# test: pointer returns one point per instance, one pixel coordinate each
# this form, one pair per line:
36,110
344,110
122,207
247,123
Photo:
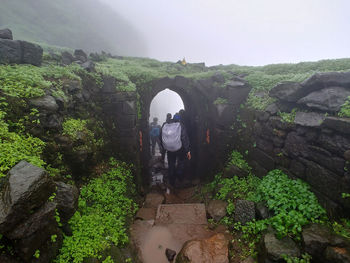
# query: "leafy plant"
288,117
219,101
105,207
345,109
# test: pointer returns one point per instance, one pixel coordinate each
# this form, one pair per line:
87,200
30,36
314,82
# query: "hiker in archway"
175,141
154,135
168,120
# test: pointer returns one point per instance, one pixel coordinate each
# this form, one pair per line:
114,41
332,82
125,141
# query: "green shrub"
237,159
15,147
288,117
105,207
345,109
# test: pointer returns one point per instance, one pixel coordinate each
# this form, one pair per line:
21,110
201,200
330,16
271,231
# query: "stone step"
192,214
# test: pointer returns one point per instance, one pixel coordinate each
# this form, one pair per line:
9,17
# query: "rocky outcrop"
272,249
27,216
211,250
6,34
324,245
67,200
17,51
25,189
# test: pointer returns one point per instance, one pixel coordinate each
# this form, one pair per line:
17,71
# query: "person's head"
176,117
155,119
168,117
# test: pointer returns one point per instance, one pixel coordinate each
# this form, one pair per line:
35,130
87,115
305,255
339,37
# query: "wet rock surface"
211,250
67,200
217,209
273,249
26,188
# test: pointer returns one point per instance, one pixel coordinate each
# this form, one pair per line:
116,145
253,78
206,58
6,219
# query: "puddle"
158,239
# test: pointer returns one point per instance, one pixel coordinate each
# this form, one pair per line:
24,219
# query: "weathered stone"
233,170
347,155
218,77
80,55
295,145
325,181
262,115
297,168
272,109
8,259
129,107
309,119
146,213
277,123
170,254
244,211
278,142
189,214
26,188
337,144
315,239
263,159
273,249
265,145
39,220
249,260
89,66
337,255
67,200
287,91
153,200
217,209
6,34
324,80
181,82
212,250
46,103
67,58
327,99
31,53
339,124
261,210
109,84
325,158
10,51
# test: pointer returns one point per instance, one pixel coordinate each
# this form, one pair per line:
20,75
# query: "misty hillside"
86,24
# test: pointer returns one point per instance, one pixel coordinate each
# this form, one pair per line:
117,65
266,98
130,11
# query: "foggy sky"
166,101
244,32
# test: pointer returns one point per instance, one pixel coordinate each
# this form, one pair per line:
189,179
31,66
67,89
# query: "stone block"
339,124
263,159
244,211
10,52
31,53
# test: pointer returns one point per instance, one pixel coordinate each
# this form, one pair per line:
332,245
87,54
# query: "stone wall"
314,146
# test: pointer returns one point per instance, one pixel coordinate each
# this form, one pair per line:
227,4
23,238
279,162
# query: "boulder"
31,53
46,103
89,66
67,200
309,119
286,91
324,80
6,34
272,249
80,55
339,124
211,250
67,58
36,222
25,188
217,209
10,51
316,238
328,99
244,211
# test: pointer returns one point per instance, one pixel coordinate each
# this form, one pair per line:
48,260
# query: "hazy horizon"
251,32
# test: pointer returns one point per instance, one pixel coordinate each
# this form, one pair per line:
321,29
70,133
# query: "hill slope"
86,24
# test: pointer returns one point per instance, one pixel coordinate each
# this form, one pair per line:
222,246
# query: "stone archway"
196,119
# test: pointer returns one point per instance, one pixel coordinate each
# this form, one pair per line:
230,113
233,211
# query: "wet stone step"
181,214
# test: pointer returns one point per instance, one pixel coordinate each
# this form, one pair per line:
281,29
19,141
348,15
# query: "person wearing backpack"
154,134
176,142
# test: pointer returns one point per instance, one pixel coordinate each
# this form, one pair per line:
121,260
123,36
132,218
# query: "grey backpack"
171,136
